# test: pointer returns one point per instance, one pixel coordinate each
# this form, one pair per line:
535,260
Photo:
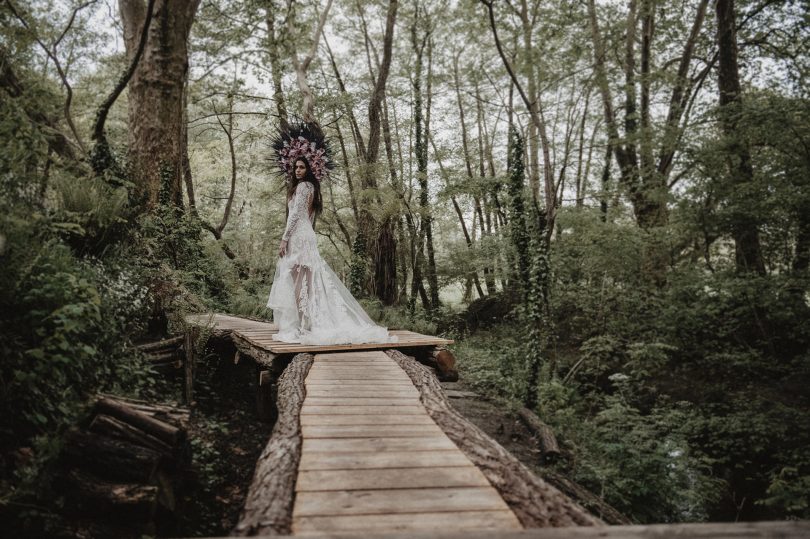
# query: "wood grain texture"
324,480
397,501
371,454
367,419
363,525
535,502
350,445
269,502
364,392
259,334
360,410
374,382
395,430
363,401
390,459
374,526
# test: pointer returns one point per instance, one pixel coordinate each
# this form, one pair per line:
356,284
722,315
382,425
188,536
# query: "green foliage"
640,463
357,276
90,214
186,275
62,321
517,214
24,146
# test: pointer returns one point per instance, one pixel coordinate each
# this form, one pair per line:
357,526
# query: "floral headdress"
306,140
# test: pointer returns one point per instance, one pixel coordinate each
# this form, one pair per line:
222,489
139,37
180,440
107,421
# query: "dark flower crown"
301,139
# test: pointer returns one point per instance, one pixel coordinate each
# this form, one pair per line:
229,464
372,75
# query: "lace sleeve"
299,208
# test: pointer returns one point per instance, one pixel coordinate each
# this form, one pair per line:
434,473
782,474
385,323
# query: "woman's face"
300,170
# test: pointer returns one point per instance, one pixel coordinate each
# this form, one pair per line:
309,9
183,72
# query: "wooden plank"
359,381
353,358
721,530
354,363
363,401
355,502
355,410
367,525
378,366
350,445
381,384
361,371
392,385
378,378
278,347
361,392
366,355
367,419
356,369
323,480
392,459
396,430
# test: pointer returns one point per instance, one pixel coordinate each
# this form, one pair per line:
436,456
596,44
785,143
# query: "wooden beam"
190,363
269,501
721,530
535,502
259,354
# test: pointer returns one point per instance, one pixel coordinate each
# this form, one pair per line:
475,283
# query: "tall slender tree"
748,252
376,240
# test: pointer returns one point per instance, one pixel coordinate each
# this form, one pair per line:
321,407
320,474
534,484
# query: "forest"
605,203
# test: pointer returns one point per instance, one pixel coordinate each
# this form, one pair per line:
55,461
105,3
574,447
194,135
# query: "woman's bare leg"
302,277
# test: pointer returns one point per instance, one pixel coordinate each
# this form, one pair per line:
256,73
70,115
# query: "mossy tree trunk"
156,103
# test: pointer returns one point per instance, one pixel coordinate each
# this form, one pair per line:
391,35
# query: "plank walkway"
260,334
374,461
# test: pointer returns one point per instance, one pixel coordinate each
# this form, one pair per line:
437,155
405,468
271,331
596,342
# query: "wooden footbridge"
365,443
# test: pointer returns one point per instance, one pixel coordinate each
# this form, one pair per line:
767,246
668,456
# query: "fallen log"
162,357
535,502
176,416
168,433
546,441
586,498
441,359
445,364
168,366
114,428
269,502
116,459
88,494
173,342
127,465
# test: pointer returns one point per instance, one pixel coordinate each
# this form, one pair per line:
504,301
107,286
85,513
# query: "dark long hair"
317,201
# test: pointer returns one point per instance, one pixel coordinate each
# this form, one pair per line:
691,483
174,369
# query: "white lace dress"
310,304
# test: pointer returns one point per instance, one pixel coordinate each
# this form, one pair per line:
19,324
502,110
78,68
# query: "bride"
310,304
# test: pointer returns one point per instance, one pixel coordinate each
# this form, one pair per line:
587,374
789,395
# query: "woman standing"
310,304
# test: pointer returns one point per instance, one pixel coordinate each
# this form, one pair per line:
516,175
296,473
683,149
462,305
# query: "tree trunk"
273,50
156,95
383,251
269,501
748,253
421,126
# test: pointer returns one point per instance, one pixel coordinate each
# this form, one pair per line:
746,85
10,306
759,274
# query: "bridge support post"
266,391
190,363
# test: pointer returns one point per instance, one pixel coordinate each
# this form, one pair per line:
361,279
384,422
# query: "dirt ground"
493,419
